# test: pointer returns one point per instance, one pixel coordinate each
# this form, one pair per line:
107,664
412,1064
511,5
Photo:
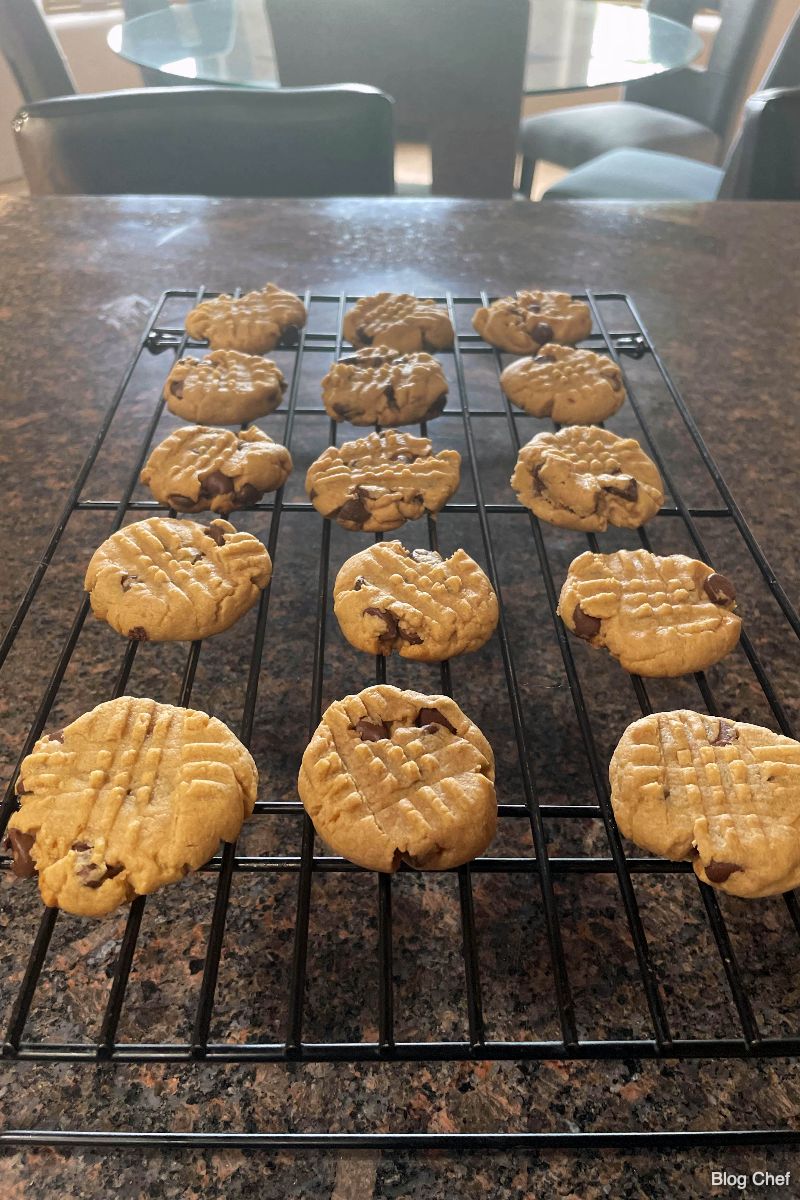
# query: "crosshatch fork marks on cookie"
629,342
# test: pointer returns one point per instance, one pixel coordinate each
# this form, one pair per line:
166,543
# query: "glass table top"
572,44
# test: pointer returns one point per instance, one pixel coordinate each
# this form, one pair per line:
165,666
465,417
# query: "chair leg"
527,172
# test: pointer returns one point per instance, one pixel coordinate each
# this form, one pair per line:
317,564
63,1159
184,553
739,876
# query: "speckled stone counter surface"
718,288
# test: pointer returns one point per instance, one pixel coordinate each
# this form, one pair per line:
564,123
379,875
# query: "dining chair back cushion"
766,162
211,142
33,55
713,94
452,67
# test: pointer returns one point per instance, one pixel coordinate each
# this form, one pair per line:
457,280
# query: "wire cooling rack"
625,340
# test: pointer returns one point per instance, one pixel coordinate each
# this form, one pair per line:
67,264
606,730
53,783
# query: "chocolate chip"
359,583
534,308
390,400
385,639
545,358
719,589
19,787
108,873
216,534
719,872
409,636
542,333
352,510
536,474
20,845
215,484
726,734
585,626
247,494
138,634
436,408
432,716
177,388
58,736
363,336
343,411
290,337
426,556
352,360
403,457
176,500
629,491
80,846
371,731
127,581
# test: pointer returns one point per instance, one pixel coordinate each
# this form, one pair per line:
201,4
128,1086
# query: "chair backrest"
32,53
765,164
452,67
765,127
210,141
712,94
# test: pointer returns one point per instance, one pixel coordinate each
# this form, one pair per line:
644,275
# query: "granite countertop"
713,282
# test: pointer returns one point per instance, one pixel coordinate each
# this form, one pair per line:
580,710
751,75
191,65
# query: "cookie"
414,602
391,777
381,386
574,387
724,794
131,796
583,477
253,323
521,324
224,388
164,580
658,616
198,468
379,481
399,321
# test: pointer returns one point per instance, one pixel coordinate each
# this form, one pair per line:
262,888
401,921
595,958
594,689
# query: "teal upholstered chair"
634,174
687,112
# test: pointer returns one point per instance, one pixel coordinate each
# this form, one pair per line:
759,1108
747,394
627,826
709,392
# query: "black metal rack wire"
632,343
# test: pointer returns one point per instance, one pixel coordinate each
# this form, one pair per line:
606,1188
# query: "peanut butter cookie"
399,321
380,481
131,796
414,602
721,793
521,324
658,616
199,467
392,777
574,387
381,386
164,580
224,388
253,323
583,477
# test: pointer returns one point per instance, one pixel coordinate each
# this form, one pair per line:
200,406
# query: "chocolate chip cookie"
414,602
392,777
521,324
131,796
381,386
722,793
199,467
379,481
658,616
399,321
164,580
224,388
574,387
254,323
583,477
